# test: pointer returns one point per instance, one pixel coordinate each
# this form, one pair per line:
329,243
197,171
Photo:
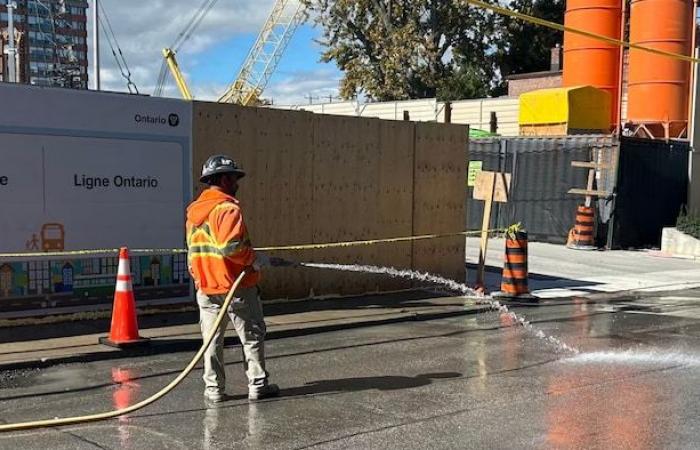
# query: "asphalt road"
466,382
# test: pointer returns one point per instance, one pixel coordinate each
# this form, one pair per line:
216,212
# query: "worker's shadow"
384,383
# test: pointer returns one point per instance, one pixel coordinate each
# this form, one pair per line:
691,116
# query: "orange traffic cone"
124,331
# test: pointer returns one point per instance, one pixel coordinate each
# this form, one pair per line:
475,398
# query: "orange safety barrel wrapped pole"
590,62
514,279
581,236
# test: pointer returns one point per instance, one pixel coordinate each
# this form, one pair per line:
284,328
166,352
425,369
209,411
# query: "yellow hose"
158,395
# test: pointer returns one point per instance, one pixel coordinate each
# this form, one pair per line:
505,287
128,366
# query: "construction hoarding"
82,171
641,186
316,178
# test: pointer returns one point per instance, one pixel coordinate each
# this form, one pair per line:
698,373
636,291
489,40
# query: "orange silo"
589,61
659,85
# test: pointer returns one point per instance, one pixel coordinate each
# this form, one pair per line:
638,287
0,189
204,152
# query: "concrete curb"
181,344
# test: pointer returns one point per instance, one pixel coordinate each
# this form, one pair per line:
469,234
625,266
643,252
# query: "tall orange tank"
659,85
589,61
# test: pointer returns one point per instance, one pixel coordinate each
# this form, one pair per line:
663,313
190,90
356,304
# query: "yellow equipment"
169,56
564,111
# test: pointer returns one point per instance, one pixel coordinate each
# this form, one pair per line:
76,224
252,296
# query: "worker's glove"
261,260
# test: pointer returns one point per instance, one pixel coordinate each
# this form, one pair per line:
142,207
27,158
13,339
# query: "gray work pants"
247,316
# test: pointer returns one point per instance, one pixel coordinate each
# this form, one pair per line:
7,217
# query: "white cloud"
295,89
143,28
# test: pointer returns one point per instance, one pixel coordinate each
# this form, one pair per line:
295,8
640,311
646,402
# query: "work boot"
214,396
259,393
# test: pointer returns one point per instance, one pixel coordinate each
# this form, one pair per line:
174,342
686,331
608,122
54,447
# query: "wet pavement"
465,382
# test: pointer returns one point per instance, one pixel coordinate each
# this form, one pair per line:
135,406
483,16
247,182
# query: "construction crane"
262,60
264,56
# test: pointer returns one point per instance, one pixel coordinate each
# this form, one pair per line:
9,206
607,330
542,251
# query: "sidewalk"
556,271
50,344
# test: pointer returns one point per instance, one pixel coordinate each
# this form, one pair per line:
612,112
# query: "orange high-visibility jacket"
218,244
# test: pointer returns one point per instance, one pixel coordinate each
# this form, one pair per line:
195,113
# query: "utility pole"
95,45
11,50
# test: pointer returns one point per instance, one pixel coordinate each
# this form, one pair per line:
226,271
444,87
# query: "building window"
91,266
109,265
180,268
135,263
39,278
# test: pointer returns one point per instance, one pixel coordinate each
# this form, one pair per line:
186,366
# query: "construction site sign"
99,171
492,186
473,170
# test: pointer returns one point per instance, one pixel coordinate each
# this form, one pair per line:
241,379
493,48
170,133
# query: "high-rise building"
51,42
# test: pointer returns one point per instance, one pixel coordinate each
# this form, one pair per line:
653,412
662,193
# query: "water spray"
452,285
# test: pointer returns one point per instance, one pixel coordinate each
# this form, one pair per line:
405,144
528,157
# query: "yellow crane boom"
169,56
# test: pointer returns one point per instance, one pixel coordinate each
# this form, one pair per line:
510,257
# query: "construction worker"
219,249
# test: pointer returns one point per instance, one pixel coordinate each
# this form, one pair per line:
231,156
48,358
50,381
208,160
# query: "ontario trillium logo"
173,120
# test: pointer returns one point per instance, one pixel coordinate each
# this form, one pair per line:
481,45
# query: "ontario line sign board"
83,170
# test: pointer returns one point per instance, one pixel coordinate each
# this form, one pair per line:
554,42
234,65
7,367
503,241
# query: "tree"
525,47
401,49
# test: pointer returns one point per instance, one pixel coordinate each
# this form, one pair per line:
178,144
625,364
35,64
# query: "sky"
210,59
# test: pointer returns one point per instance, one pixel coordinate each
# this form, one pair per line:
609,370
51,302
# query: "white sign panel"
98,171
89,193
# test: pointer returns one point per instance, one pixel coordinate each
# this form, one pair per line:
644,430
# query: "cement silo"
659,85
590,61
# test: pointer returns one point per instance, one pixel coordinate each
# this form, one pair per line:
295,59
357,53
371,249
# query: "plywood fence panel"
317,178
253,137
229,130
439,198
283,195
396,143
345,190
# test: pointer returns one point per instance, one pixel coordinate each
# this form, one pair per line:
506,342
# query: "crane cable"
113,42
153,398
182,37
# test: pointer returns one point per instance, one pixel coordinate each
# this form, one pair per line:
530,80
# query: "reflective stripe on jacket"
218,244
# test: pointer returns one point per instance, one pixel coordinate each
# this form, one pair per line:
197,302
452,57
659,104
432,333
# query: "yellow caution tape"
372,241
160,251
559,27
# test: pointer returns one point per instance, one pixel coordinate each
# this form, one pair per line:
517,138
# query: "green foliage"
512,231
404,49
465,82
526,47
689,224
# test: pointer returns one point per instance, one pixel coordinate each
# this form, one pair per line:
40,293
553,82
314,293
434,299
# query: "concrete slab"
676,243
